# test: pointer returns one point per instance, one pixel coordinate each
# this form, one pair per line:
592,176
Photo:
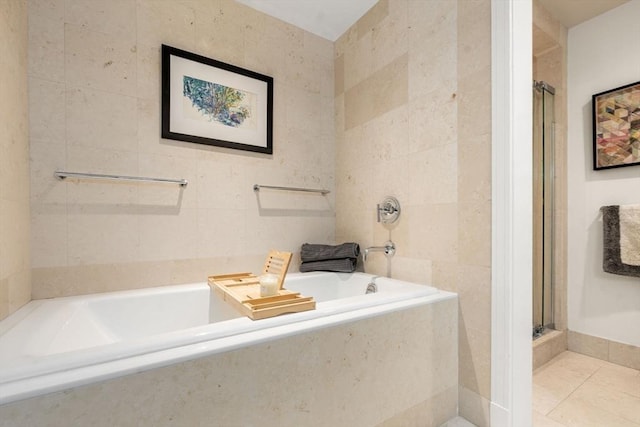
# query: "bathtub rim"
89,356
48,382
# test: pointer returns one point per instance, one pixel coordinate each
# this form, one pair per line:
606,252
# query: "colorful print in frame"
616,127
210,102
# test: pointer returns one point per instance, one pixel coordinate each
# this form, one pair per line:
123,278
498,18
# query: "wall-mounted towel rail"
63,175
257,187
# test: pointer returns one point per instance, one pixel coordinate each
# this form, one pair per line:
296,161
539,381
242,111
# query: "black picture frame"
616,127
206,101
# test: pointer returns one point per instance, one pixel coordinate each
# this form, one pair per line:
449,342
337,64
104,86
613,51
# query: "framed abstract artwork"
616,127
210,102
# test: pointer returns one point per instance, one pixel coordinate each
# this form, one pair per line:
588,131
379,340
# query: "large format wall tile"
15,280
95,103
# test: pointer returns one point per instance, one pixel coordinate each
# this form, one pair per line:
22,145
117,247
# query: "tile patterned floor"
577,390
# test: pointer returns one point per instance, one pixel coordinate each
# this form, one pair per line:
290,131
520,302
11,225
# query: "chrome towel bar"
63,175
257,187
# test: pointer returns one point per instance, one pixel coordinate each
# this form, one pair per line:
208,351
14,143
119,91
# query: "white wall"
603,54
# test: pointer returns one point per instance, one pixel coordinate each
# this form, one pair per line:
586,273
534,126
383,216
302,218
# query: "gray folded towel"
612,261
344,265
314,252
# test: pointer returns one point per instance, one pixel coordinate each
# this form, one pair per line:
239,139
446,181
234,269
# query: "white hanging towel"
630,234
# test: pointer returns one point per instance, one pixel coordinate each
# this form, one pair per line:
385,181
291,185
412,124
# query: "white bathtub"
55,344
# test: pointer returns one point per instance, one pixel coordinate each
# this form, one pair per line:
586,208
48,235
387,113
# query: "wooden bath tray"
242,291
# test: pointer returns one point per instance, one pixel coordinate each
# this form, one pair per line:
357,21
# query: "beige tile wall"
94,76
413,120
15,280
601,348
314,379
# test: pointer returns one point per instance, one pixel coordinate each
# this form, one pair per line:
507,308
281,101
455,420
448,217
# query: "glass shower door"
543,205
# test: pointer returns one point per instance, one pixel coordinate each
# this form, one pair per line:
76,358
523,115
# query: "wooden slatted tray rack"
242,291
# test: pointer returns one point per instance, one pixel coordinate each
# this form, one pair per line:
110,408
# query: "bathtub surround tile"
92,120
338,78
473,407
338,382
434,120
474,106
445,275
15,162
116,17
115,227
221,235
165,22
47,110
434,232
373,18
111,57
14,224
52,282
432,47
46,43
446,204
428,20
431,412
48,248
100,196
261,51
412,270
390,38
474,289
228,41
434,174
163,198
474,177
474,23
148,71
474,233
99,61
457,422
15,281
15,291
357,59
382,91
47,156
4,298
176,225
475,358
216,183
53,9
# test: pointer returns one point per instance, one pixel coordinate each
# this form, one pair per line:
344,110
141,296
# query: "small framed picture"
616,127
209,102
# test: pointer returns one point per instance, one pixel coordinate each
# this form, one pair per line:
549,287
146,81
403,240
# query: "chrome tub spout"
389,250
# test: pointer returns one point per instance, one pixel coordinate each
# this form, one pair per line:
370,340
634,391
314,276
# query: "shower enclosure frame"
544,188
